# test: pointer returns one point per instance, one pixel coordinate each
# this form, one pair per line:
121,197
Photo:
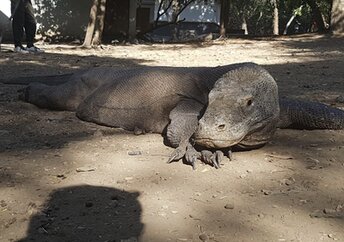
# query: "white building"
70,18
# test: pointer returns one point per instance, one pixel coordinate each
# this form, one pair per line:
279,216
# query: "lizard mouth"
216,143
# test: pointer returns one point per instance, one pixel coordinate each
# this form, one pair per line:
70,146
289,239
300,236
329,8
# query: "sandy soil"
62,179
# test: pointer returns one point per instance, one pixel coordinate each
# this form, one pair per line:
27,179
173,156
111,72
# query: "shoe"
20,49
34,49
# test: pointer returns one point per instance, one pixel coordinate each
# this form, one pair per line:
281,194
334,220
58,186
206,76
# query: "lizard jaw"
216,143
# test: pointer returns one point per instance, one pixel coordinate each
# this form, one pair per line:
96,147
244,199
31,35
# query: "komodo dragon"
203,111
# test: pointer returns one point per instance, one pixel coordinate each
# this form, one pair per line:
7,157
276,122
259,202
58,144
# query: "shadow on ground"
87,213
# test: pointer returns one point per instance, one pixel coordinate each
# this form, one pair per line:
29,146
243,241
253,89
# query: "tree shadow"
315,43
87,213
55,63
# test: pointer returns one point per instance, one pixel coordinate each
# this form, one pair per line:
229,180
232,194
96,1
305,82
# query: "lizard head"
242,103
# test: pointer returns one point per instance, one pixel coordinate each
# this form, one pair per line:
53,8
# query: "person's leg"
29,24
18,22
30,28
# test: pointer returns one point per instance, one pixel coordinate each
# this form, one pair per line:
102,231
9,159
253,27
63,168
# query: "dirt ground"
62,179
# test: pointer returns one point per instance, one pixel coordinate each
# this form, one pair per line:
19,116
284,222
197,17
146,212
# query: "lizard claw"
191,156
219,157
229,154
176,155
212,158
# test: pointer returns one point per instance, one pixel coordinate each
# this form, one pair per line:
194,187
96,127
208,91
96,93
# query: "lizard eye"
249,102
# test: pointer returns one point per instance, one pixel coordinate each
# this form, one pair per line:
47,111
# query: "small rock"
134,152
85,169
191,216
229,206
266,192
61,176
203,237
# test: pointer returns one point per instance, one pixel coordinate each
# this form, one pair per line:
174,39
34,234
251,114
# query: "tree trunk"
275,20
224,17
175,10
132,19
97,38
337,17
91,24
317,15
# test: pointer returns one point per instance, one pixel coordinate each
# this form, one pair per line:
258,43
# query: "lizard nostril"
221,127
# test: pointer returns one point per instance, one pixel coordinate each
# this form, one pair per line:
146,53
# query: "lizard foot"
211,158
177,154
189,153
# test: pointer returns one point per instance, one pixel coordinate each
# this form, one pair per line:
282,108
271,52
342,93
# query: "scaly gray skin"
214,108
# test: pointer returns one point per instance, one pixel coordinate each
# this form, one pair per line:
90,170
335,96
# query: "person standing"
24,20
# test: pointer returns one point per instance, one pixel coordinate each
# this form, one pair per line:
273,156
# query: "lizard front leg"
184,123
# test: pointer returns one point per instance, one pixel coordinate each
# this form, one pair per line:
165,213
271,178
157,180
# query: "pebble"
266,192
229,206
203,237
61,176
85,169
134,152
